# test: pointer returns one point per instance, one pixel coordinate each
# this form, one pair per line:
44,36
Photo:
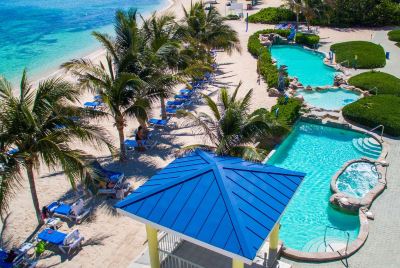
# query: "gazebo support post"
273,245
152,242
237,263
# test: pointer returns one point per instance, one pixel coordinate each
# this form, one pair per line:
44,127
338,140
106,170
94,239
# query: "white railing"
167,245
375,128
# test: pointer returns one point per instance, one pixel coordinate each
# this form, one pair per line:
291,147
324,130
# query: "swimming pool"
305,64
358,179
320,151
329,99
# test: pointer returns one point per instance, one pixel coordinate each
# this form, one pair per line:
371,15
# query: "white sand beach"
114,240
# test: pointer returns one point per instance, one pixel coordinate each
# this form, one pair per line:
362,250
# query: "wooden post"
237,263
152,242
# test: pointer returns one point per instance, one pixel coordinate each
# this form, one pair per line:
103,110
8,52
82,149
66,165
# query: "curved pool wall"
305,64
329,99
320,151
358,179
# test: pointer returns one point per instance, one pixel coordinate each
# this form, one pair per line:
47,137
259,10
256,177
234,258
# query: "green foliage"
385,83
40,247
369,55
232,17
376,110
289,110
267,70
394,35
307,39
272,15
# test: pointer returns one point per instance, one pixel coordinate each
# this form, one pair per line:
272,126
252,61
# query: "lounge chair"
75,212
175,103
113,181
181,97
93,105
19,259
131,144
161,123
186,92
65,242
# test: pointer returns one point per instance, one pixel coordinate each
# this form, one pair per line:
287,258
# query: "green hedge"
369,55
376,110
394,35
310,40
272,15
385,83
268,71
288,112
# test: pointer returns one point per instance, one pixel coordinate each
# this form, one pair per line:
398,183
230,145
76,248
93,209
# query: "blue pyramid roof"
223,203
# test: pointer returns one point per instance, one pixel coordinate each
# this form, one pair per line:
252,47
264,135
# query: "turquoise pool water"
41,34
358,179
305,64
319,151
331,99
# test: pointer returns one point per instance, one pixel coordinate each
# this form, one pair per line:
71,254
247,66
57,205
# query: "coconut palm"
231,129
123,94
37,128
208,30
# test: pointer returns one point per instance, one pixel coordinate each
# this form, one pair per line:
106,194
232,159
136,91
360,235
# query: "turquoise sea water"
305,64
40,35
319,151
331,99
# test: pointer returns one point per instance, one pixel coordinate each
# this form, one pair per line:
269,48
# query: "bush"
232,17
369,55
385,83
310,40
272,15
394,35
289,110
376,110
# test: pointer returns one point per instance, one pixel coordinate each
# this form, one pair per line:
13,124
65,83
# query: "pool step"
368,146
318,245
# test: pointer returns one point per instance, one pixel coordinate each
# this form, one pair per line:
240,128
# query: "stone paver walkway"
393,64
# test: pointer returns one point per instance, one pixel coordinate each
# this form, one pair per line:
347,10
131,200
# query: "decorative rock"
369,215
299,97
308,88
273,92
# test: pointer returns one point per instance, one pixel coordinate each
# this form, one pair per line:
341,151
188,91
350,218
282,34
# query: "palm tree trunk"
32,186
163,109
120,127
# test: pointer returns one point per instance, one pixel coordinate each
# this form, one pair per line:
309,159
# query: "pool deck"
382,246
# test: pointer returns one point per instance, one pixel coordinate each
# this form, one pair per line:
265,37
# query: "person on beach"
141,136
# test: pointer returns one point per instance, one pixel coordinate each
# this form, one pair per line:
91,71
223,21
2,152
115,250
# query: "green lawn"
369,55
385,83
376,110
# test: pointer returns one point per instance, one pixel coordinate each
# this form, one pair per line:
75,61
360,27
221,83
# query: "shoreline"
95,55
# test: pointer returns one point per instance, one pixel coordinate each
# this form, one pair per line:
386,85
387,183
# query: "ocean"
40,35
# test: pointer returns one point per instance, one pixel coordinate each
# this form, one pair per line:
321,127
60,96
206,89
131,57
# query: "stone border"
353,247
354,203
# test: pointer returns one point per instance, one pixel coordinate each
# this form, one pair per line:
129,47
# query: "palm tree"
37,127
123,94
231,129
208,30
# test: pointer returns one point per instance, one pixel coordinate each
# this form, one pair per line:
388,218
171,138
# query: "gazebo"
221,203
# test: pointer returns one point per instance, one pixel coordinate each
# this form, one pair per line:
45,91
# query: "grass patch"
376,110
369,55
384,82
272,15
394,35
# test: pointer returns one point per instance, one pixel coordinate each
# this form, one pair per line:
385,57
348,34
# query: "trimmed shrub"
272,15
376,110
369,55
310,40
385,83
289,110
232,17
394,35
